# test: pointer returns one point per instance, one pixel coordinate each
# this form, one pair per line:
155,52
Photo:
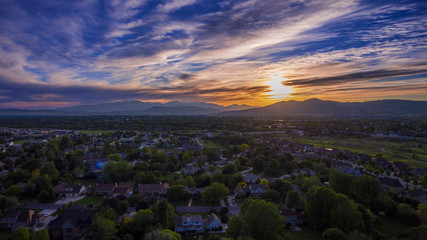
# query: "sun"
278,90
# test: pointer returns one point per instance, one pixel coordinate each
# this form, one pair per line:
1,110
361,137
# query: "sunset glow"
66,53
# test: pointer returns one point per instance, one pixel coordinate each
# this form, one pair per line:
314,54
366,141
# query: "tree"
333,234
272,196
244,147
342,183
21,234
262,220
215,192
14,190
40,235
164,234
101,228
422,213
258,165
176,193
164,213
273,169
115,157
329,209
308,182
139,223
50,170
235,226
45,196
417,233
142,204
366,190
293,199
8,203
229,169
407,214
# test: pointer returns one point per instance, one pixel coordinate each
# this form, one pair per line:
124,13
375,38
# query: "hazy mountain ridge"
130,108
320,108
307,108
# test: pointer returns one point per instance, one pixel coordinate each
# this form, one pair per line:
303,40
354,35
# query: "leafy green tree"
229,169
366,190
293,199
273,169
21,234
342,183
139,223
40,235
50,170
272,196
407,214
333,234
422,213
164,213
115,157
417,233
263,220
215,192
258,165
235,226
176,193
101,228
329,209
164,234
45,196
308,182
14,190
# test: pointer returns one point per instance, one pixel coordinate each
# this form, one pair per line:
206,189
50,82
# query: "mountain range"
307,108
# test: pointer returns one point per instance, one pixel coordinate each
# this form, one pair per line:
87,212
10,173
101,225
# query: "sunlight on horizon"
278,90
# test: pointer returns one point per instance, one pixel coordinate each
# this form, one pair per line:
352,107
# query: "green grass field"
391,149
5,234
95,200
391,226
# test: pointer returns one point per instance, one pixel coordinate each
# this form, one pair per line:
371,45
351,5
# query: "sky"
56,53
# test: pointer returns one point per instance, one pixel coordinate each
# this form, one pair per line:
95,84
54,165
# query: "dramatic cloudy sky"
61,53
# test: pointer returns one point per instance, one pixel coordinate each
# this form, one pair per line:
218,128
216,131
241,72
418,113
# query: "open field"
391,226
391,149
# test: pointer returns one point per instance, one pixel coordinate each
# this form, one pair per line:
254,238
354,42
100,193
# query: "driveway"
231,199
69,199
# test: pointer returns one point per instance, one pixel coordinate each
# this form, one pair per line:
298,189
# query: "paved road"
44,206
70,199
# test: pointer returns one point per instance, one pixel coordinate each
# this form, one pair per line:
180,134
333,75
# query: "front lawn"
305,233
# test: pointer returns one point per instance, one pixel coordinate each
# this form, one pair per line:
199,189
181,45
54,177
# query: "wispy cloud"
225,52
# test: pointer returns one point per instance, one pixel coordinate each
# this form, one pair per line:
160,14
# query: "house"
195,224
195,192
105,189
418,194
292,216
123,191
382,162
418,171
388,184
240,192
190,169
157,190
350,170
18,218
38,218
257,189
400,167
250,178
68,190
71,223
305,171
